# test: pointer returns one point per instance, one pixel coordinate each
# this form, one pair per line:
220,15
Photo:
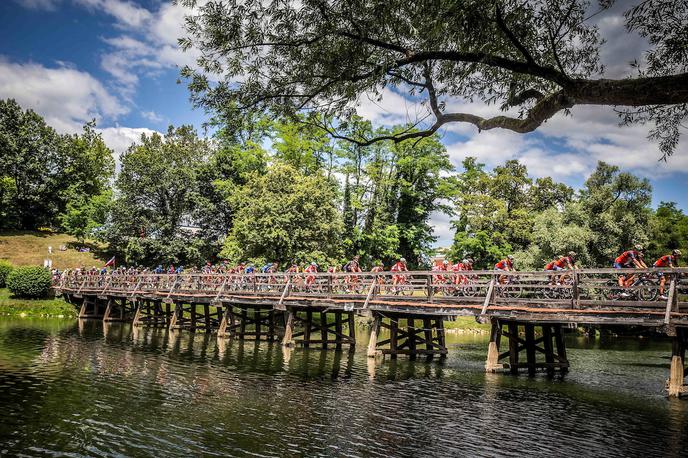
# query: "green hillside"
31,248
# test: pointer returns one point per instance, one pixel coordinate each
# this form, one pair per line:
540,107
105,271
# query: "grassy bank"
31,248
11,306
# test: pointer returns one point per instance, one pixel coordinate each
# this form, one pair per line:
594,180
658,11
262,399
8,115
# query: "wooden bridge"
528,311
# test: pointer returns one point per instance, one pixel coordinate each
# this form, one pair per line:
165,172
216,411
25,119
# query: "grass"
31,248
12,306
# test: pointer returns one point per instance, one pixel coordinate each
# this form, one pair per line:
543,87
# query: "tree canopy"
535,57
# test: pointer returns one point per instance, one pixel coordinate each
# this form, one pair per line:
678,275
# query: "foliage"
283,215
484,248
668,231
617,209
6,268
29,282
158,198
536,57
42,173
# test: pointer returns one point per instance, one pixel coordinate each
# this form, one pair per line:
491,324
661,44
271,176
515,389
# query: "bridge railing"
574,289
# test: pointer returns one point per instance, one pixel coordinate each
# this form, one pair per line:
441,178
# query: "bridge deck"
582,296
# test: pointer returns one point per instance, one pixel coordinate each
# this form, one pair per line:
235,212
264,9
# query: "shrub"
5,269
29,281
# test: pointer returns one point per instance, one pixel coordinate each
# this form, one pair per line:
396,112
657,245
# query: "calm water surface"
81,389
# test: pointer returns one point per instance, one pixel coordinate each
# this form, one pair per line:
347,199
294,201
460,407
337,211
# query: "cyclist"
505,265
443,267
669,260
399,266
628,260
562,263
311,269
465,265
352,266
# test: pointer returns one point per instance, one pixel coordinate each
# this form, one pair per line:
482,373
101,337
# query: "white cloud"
66,97
152,116
126,13
119,139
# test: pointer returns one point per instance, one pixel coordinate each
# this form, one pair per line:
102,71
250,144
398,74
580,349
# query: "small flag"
111,262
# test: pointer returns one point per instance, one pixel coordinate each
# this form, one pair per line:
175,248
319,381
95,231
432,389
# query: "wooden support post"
108,309
338,329
677,372
561,348
352,331
549,350
206,316
323,328
439,327
427,330
307,329
372,343
530,348
137,313
411,337
287,340
242,324
492,363
257,318
513,347
575,293
222,330
271,325
393,331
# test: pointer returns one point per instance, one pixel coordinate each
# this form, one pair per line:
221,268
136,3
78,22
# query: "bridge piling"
553,348
327,332
408,339
676,383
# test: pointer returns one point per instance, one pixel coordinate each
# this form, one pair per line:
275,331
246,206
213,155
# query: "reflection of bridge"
524,308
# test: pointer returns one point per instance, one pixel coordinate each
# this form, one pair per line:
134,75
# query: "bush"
5,269
29,281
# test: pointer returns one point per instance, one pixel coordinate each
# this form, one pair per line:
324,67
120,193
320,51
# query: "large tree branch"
512,38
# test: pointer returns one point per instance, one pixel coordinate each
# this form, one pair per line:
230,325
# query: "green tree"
538,57
284,215
153,216
41,172
617,208
30,178
484,248
668,231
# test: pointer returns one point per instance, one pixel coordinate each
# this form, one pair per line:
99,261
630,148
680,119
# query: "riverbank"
49,308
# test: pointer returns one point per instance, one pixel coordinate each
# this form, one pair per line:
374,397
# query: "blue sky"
117,61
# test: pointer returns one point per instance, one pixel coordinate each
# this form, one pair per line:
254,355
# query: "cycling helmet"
571,254
676,253
468,261
638,247
510,257
314,264
402,260
465,261
445,262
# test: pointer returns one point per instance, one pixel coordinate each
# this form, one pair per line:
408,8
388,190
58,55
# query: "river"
82,390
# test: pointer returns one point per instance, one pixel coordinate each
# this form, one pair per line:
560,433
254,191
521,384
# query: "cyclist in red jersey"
562,263
507,265
442,267
399,266
312,268
628,260
669,260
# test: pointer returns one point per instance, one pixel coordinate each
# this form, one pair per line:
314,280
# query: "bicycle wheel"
649,290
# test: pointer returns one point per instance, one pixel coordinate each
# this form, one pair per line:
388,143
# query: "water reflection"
91,388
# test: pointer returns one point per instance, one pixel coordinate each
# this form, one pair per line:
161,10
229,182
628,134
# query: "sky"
117,61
